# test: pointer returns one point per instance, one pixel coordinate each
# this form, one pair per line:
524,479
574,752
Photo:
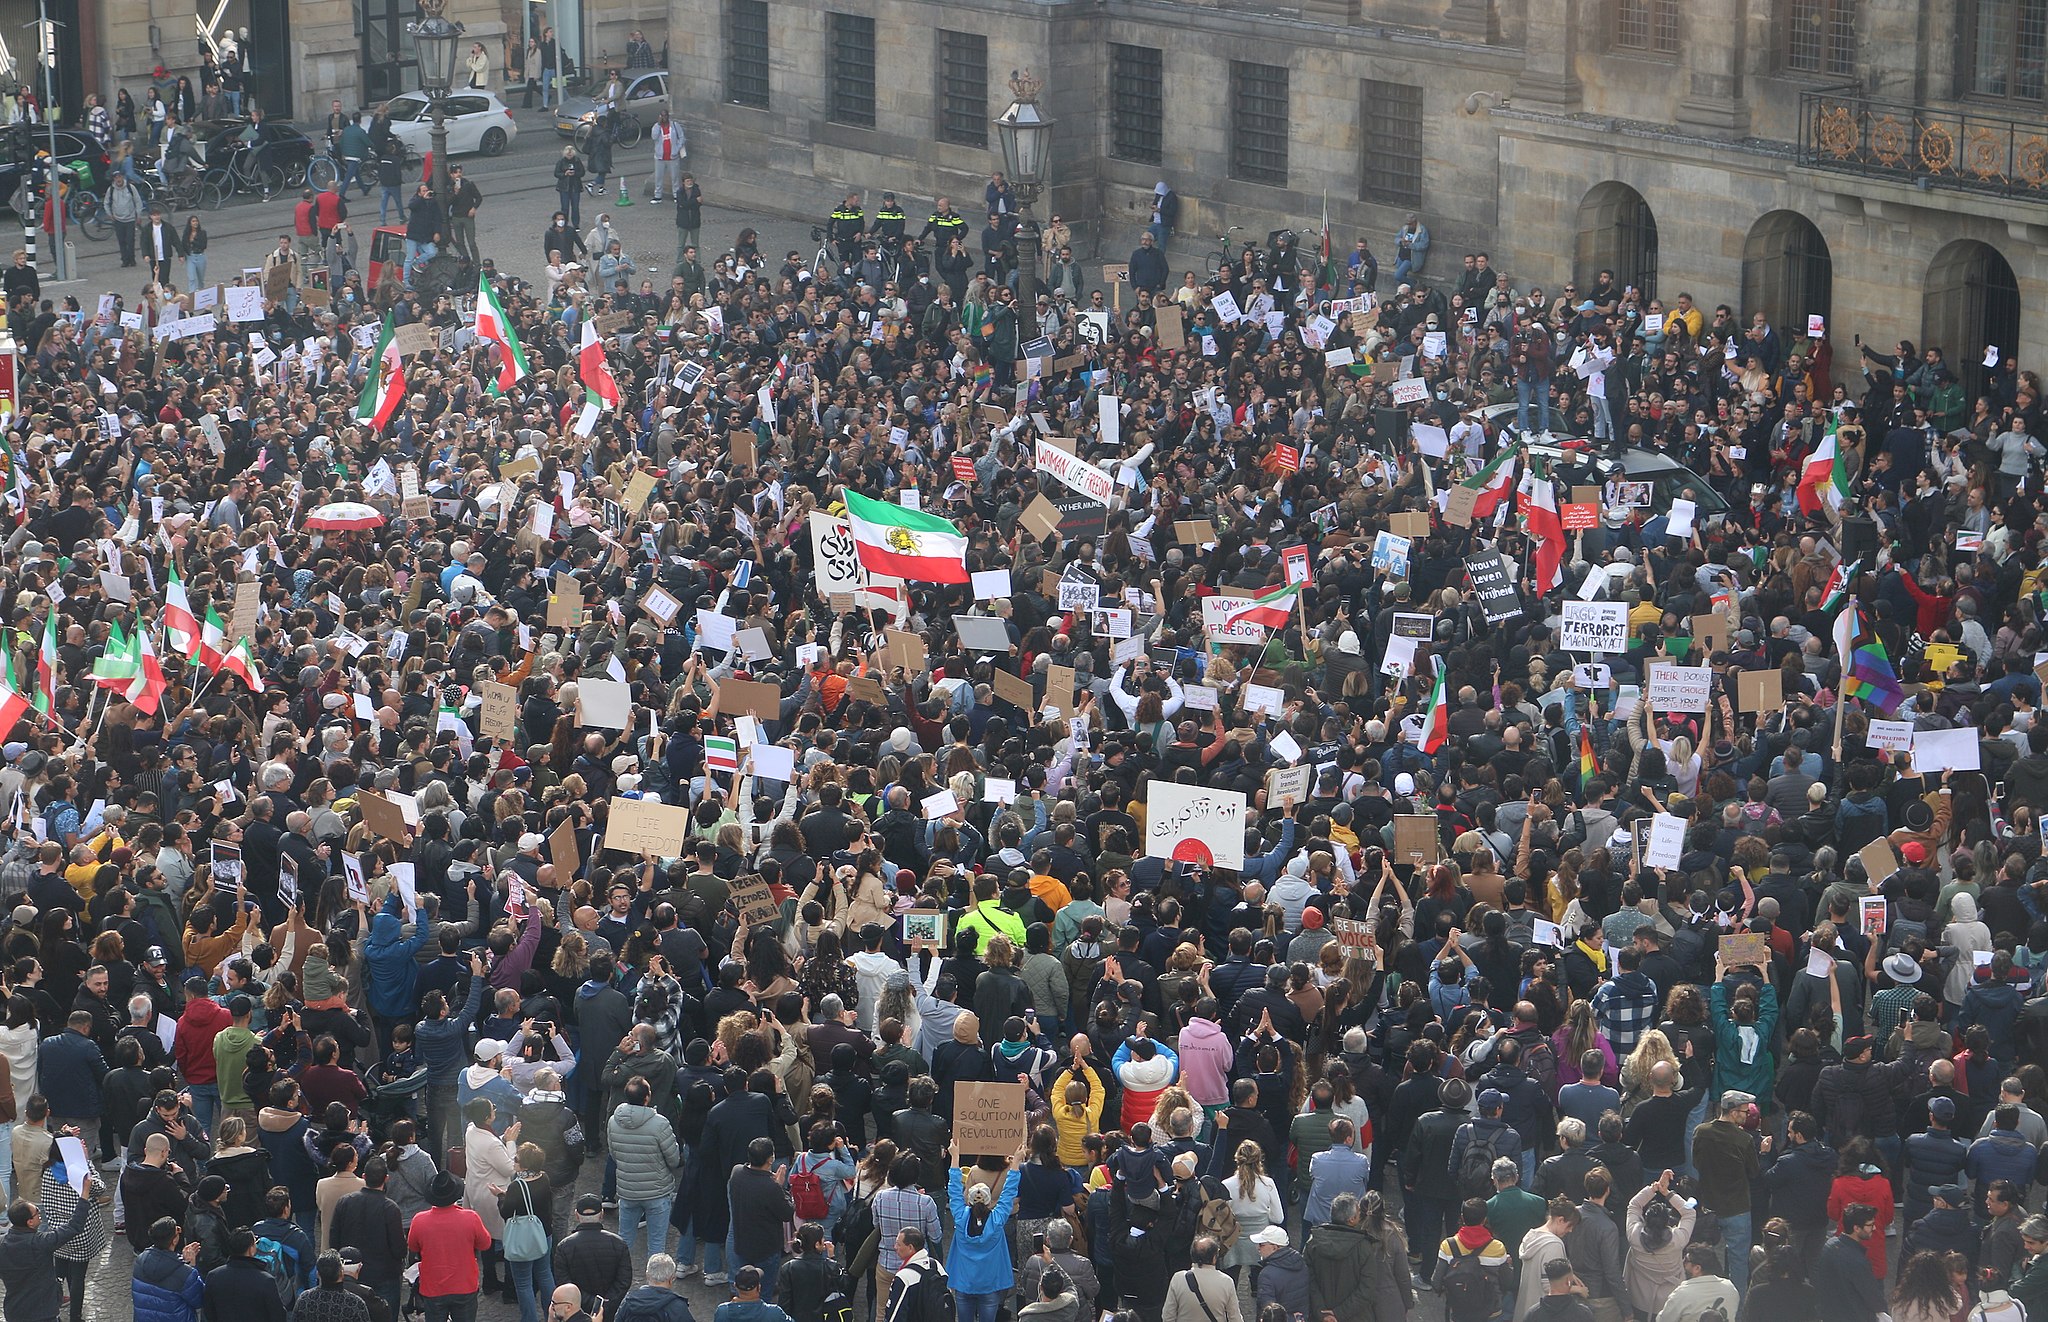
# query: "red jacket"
193,1046
303,215
448,1240
331,209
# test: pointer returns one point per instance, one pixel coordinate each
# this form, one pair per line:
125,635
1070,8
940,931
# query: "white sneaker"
717,1278
687,1269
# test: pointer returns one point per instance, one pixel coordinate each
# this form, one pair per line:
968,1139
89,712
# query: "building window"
1137,104
746,53
1820,37
962,93
2004,46
1393,144
1647,26
1258,123
853,70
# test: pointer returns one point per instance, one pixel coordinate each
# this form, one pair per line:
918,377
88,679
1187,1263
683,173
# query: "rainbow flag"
984,377
1867,671
1589,766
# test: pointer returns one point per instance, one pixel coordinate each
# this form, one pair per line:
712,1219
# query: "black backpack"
1471,1290
1475,1167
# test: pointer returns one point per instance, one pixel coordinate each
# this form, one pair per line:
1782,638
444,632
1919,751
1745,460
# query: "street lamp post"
1024,133
437,40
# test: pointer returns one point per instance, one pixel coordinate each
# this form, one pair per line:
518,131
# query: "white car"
477,122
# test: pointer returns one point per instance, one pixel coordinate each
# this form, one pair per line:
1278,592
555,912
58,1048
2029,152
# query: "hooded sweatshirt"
204,1020
388,956
1143,1080
231,1047
1206,1058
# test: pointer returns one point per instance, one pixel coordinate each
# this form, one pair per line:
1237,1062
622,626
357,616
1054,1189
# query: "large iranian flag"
906,543
596,373
181,626
1824,481
241,662
384,391
1546,529
494,327
1271,608
213,640
1493,483
1436,722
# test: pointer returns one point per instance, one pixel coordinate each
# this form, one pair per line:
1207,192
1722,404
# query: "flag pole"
1841,698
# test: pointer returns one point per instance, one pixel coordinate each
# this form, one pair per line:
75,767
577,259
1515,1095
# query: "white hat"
488,1050
530,840
1404,783
1273,1235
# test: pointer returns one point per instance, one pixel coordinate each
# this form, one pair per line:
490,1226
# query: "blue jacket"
2000,1155
980,1264
1333,1172
165,1289
1996,1006
394,973
444,1043
70,1070
1800,1179
1941,1230
298,1244
1932,1158
497,1090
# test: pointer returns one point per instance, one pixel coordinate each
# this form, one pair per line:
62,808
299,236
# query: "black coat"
595,1261
370,1220
240,1290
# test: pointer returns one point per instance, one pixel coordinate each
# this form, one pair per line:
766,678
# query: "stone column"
1713,38
1549,51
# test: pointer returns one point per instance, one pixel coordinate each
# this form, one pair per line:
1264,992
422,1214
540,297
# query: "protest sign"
1594,626
646,826
1188,823
1680,688
1495,584
755,899
988,1119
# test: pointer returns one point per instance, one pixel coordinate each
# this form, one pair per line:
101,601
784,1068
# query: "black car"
72,149
283,144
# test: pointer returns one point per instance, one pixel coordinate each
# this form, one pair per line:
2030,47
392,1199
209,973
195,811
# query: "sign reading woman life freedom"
1189,824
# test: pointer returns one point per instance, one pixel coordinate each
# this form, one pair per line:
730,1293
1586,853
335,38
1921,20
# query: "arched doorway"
1617,233
1786,272
1971,300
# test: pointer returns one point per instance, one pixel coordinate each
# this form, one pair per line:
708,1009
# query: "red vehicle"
387,255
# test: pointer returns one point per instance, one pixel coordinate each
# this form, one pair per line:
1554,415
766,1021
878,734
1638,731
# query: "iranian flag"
1539,509
240,662
721,754
1824,481
494,327
905,543
13,707
119,665
146,690
181,626
596,373
1272,608
1436,722
213,640
1492,483
46,666
384,391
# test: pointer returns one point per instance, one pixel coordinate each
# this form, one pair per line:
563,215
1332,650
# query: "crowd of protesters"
317,944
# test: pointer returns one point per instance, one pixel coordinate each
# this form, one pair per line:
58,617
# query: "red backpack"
806,1190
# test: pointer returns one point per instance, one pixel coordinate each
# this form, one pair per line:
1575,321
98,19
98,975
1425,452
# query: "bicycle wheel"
88,215
215,187
146,189
321,172
266,180
630,130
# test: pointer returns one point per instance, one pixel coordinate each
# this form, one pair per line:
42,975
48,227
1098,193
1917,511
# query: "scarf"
1594,953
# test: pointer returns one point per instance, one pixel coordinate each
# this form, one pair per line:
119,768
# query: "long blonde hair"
1650,1049
1585,1033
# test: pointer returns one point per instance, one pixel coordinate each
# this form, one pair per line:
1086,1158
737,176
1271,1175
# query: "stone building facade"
1879,163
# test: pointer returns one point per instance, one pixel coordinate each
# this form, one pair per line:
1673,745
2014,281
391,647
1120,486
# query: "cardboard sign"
755,900
1172,336
1459,506
1417,840
1746,948
562,851
1879,862
248,610
1040,518
383,816
565,604
1017,692
908,650
988,1119
741,697
500,719
1193,532
1409,523
862,688
1059,689
1191,824
1713,631
1759,690
646,826
1680,688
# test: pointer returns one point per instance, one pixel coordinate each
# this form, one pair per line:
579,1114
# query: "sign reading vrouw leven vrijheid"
1187,823
1495,584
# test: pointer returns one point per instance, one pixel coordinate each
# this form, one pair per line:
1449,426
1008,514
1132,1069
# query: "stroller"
396,1100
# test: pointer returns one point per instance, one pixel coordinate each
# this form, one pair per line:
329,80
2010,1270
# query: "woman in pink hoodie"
1206,1057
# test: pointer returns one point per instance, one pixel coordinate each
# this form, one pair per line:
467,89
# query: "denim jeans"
534,1281
195,277
387,201
978,1307
417,252
1735,1235
1524,391
1528,1168
450,1307
652,1212
1603,421
1693,1121
7,1166
205,1096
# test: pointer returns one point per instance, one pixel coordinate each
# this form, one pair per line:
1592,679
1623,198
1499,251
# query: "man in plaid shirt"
1627,1006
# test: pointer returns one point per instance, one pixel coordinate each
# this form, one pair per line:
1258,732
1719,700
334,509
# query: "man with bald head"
152,1187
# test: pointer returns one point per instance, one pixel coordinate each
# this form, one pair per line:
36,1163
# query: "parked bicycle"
248,170
1222,256
194,190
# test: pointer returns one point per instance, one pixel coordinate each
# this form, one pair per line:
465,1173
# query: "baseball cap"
1942,1108
1492,1099
1404,783
590,1204
154,955
1913,852
531,840
488,1050
350,1255
1273,1235
1953,1194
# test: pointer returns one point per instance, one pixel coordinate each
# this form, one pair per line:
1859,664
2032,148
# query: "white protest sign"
1891,736
1946,750
1594,626
1217,624
1078,475
1190,824
1680,688
1667,841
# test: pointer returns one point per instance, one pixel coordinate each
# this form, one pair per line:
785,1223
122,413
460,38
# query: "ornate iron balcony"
1843,131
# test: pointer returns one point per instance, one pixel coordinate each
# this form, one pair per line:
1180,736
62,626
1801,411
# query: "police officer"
944,224
848,223
889,223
